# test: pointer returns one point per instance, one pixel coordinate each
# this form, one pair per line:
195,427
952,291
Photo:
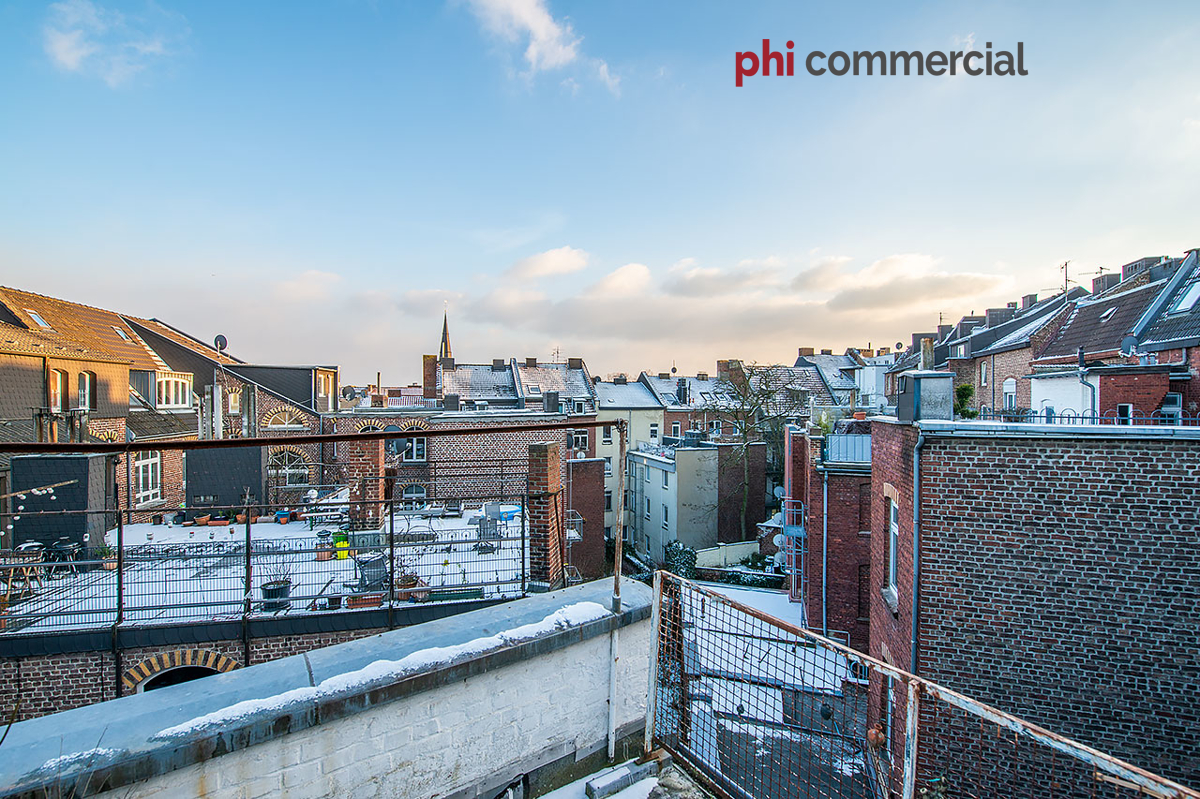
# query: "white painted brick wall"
436,742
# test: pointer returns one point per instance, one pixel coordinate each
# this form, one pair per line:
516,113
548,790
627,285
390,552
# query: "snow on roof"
479,381
560,377
611,396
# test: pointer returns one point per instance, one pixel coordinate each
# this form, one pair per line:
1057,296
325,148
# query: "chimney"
884,351
868,353
1028,301
620,380
595,380
926,354
450,402
447,364
574,363
664,375
429,372
531,362
943,331
916,339
681,390
806,351
1105,282
996,316
498,364
1012,305
827,352
550,402
701,375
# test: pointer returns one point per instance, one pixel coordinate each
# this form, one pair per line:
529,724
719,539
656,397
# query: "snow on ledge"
382,672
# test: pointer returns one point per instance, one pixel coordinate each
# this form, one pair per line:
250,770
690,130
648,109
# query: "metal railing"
1171,417
764,709
224,564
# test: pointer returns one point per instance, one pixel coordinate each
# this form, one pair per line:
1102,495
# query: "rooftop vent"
664,375
620,380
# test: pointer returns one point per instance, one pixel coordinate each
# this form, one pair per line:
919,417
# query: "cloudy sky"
318,180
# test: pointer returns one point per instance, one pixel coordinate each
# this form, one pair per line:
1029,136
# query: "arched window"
286,420
234,399
288,467
414,448
413,497
1010,393
58,390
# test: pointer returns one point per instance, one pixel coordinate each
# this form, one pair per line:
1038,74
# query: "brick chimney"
1028,301
926,354
806,351
429,376
996,316
545,517
827,352
1105,282
364,468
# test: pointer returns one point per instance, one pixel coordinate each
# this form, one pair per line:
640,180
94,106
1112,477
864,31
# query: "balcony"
847,448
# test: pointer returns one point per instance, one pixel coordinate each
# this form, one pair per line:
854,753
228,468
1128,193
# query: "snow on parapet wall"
388,671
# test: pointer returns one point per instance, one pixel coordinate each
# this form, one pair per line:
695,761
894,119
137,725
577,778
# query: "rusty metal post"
652,695
391,506
248,596
618,545
911,731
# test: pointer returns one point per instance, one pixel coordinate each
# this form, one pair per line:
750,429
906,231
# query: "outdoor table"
20,573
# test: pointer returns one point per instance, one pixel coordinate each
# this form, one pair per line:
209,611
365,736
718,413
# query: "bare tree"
756,404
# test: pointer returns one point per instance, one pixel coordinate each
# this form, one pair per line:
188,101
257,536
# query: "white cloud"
560,261
551,44
83,37
307,287
964,42
629,280
611,81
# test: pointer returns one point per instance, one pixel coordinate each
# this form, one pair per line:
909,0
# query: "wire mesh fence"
764,709
1121,415
226,563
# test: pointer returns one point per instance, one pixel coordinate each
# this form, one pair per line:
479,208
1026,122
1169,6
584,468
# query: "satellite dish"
779,492
899,345
673,370
349,394
221,343
778,540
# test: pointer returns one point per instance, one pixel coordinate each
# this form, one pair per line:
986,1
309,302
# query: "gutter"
916,558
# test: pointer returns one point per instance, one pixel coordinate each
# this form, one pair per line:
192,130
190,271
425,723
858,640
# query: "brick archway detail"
164,661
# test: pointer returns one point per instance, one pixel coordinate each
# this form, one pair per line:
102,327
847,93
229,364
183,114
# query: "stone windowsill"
890,598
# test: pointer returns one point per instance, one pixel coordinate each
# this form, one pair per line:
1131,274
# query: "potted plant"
278,584
108,556
241,518
202,519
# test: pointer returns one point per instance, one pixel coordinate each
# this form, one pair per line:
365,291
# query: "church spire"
444,352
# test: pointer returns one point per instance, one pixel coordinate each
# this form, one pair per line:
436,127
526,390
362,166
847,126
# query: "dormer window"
174,390
35,316
286,420
579,406
1104,317
124,336
1187,298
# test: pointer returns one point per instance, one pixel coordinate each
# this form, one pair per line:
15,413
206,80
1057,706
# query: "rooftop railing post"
391,508
248,584
524,521
652,694
911,731
116,629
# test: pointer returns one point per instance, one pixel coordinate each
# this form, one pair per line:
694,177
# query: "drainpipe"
1083,379
824,549
916,558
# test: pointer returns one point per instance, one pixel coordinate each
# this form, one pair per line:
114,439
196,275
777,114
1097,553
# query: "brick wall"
585,490
1145,392
1054,572
364,471
546,508
740,481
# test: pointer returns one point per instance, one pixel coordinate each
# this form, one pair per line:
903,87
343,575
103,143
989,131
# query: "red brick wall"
585,490
849,550
546,508
1144,392
734,488
1051,583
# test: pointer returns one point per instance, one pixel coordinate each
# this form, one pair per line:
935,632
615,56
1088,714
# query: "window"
675,429
665,517
1010,393
1104,317
124,336
608,531
715,427
893,542
87,391
1172,408
983,374
35,316
607,466
579,406
234,398
147,477
666,479
645,472
324,383
608,500
606,436
580,439
58,388
415,448
286,420
287,468
535,389
1124,413
647,508
413,497
654,431
1187,298
864,592
174,391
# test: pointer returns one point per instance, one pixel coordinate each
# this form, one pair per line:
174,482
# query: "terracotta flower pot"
202,519
364,600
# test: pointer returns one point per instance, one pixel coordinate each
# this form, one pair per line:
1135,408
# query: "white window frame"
893,542
983,374
647,508
1125,413
606,437
715,427
580,407
1010,397
291,421
608,466
173,391
147,478
413,497
580,439
124,336
666,478
58,390
675,429
87,390
37,317
416,450
889,700
654,431
295,472
234,400
665,516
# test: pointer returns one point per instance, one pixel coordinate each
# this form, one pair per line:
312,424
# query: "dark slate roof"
144,422
1085,327
472,381
625,396
1181,328
1017,332
181,339
831,367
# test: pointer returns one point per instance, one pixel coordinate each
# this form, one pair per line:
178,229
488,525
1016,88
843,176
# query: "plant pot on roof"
277,587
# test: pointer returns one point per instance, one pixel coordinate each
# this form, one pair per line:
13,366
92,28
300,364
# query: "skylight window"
533,389
35,316
1104,317
1187,298
121,333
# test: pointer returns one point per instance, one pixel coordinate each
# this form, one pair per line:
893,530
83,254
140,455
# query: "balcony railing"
848,448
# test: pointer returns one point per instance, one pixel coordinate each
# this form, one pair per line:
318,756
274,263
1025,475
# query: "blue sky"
317,180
